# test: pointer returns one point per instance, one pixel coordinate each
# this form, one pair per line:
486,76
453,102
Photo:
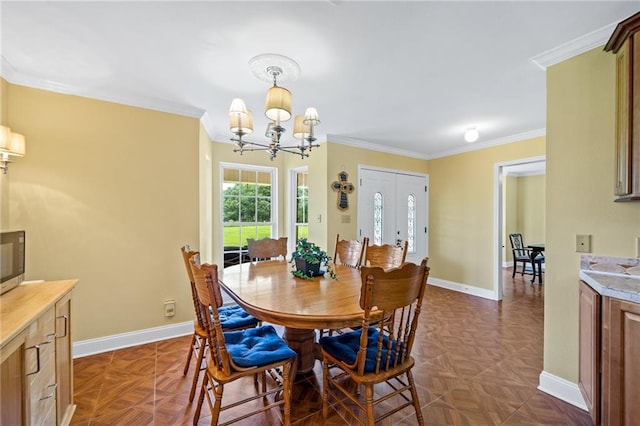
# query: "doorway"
393,208
523,167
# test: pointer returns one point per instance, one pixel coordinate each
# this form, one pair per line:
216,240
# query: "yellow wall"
524,210
107,193
348,158
580,176
461,211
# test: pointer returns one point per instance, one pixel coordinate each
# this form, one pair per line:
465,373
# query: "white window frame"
274,196
292,205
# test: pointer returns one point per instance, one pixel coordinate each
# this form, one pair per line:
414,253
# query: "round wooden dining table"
268,291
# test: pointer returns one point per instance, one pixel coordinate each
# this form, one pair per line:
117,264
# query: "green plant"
312,254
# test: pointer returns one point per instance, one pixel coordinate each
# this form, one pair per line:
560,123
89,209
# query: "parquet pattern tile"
477,363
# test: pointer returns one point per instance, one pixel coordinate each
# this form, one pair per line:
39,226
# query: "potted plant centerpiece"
308,258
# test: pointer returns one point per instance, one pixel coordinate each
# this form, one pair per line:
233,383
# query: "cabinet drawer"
42,393
40,337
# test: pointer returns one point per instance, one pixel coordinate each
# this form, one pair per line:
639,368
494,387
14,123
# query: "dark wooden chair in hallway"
522,254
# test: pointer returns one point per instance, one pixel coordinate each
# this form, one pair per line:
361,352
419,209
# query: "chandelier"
270,68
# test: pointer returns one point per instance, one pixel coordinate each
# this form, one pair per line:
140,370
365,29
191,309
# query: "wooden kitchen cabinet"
625,44
64,368
620,362
36,383
609,371
590,349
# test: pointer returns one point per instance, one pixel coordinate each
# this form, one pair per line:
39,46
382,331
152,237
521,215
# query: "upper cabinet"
625,44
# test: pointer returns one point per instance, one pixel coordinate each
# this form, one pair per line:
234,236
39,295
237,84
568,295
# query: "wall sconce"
10,144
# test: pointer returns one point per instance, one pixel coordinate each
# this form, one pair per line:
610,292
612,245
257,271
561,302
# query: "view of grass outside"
236,236
302,231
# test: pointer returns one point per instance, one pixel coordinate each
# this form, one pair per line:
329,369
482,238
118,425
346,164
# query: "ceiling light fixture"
10,144
271,67
471,135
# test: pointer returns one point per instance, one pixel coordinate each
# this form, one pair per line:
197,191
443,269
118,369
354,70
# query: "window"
411,223
301,204
248,208
377,218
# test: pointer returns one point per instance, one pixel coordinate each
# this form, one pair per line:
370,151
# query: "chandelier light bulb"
471,135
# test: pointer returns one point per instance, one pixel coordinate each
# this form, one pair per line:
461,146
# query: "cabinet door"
12,382
623,121
589,357
620,365
64,362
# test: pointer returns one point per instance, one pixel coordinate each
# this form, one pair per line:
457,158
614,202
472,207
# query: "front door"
392,209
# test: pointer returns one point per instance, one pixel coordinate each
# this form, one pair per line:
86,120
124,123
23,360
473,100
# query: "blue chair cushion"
233,316
345,347
256,346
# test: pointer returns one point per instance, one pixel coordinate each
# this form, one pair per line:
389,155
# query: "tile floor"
477,363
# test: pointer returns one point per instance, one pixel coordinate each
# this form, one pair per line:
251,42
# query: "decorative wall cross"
342,187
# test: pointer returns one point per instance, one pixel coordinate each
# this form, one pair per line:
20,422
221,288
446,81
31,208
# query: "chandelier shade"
278,104
300,129
241,122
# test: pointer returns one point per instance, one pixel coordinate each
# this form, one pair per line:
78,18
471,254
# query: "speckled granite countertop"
612,276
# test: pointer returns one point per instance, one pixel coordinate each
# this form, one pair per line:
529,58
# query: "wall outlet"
583,243
169,308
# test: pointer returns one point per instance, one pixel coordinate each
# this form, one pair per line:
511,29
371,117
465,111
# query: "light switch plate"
583,243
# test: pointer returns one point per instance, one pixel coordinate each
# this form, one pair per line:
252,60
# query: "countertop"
19,306
619,286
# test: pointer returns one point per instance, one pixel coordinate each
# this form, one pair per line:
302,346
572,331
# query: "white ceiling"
406,77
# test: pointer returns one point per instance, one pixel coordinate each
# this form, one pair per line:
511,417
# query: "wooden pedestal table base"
303,342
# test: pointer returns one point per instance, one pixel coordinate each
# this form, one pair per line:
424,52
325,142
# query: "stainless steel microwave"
11,259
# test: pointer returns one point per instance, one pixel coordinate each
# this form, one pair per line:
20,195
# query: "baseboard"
125,340
463,288
561,389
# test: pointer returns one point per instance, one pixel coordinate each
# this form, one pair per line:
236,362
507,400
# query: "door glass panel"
377,218
411,223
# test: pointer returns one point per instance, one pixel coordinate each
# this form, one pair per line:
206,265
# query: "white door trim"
498,200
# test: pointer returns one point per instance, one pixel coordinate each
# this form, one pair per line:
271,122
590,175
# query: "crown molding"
488,144
574,47
9,73
357,143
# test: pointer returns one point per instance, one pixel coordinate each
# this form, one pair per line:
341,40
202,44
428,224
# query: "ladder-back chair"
386,256
349,252
233,317
238,354
267,248
380,351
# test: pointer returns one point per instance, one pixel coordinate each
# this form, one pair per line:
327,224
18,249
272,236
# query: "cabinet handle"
66,326
50,337
37,348
53,392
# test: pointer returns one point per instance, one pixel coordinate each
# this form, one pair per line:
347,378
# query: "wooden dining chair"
386,256
233,317
349,252
238,354
379,351
267,248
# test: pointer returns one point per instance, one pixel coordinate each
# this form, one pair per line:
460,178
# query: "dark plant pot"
309,269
